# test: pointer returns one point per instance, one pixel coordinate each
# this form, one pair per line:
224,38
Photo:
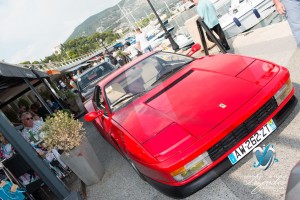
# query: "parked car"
181,122
88,79
118,45
130,39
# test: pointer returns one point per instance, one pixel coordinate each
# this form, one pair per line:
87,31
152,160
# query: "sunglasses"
29,118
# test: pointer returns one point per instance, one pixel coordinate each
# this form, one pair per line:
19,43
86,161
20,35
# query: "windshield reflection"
142,77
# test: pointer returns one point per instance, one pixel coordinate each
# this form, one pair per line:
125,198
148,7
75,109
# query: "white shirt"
62,84
132,50
35,130
143,40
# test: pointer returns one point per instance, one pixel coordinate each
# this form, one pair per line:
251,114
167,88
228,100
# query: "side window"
98,100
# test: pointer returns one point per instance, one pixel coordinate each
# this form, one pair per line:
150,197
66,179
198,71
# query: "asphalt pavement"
242,181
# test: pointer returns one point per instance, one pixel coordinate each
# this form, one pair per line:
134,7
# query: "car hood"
201,101
197,101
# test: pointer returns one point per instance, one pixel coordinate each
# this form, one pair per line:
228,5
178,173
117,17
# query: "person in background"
53,105
33,110
32,134
106,57
31,131
22,108
207,12
142,42
112,60
40,110
117,59
102,59
73,79
62,85
78,73
291,9
131,51
6,149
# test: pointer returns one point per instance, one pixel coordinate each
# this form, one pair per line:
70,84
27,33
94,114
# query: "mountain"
112,17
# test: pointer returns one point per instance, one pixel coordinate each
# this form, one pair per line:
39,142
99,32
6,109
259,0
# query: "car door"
103,122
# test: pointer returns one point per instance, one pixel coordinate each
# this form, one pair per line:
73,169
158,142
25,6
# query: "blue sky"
29,29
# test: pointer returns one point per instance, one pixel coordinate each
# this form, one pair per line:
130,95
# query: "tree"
143,23
25,62
35,62
77,47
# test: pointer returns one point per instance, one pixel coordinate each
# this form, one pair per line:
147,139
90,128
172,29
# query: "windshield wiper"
167,73
128,96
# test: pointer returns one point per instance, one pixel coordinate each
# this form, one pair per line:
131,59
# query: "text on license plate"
252,142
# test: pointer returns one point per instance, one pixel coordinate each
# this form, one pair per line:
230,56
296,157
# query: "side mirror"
196,47
91,116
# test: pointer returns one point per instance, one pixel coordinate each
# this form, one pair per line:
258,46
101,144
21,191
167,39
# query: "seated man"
31,131
33,135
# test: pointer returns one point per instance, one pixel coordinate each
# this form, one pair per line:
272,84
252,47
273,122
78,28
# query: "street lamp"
101,41
174,45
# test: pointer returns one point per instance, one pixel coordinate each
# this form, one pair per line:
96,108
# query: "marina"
236,18
245,15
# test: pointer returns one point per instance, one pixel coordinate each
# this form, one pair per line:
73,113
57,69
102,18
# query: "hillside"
112,17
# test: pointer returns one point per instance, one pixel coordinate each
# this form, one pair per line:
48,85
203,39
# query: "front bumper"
199,183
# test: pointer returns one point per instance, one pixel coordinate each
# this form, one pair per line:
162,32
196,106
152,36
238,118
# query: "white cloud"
31,28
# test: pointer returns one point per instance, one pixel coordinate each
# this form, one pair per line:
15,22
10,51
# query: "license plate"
252,142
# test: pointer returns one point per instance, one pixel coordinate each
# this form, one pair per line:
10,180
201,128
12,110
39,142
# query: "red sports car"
181,122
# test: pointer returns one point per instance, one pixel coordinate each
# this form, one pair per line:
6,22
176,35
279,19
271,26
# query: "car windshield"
142,77
93,74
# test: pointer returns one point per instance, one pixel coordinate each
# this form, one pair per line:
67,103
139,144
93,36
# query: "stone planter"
84,163
76,105
80,104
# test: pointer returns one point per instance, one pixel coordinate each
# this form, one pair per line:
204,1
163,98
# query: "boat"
221,6
243,16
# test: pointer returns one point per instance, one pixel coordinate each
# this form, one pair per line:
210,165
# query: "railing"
65,64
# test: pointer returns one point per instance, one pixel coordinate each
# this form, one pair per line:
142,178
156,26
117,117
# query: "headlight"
283,92
192,167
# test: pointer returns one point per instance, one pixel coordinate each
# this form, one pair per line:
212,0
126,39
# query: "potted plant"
63,132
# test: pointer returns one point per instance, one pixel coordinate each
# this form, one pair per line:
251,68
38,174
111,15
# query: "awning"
9,70
11,77
53,72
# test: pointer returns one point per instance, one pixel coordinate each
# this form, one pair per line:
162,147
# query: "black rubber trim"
285,111
169,86
199,183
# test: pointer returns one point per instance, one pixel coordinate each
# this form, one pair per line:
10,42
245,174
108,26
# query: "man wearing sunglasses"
31,131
